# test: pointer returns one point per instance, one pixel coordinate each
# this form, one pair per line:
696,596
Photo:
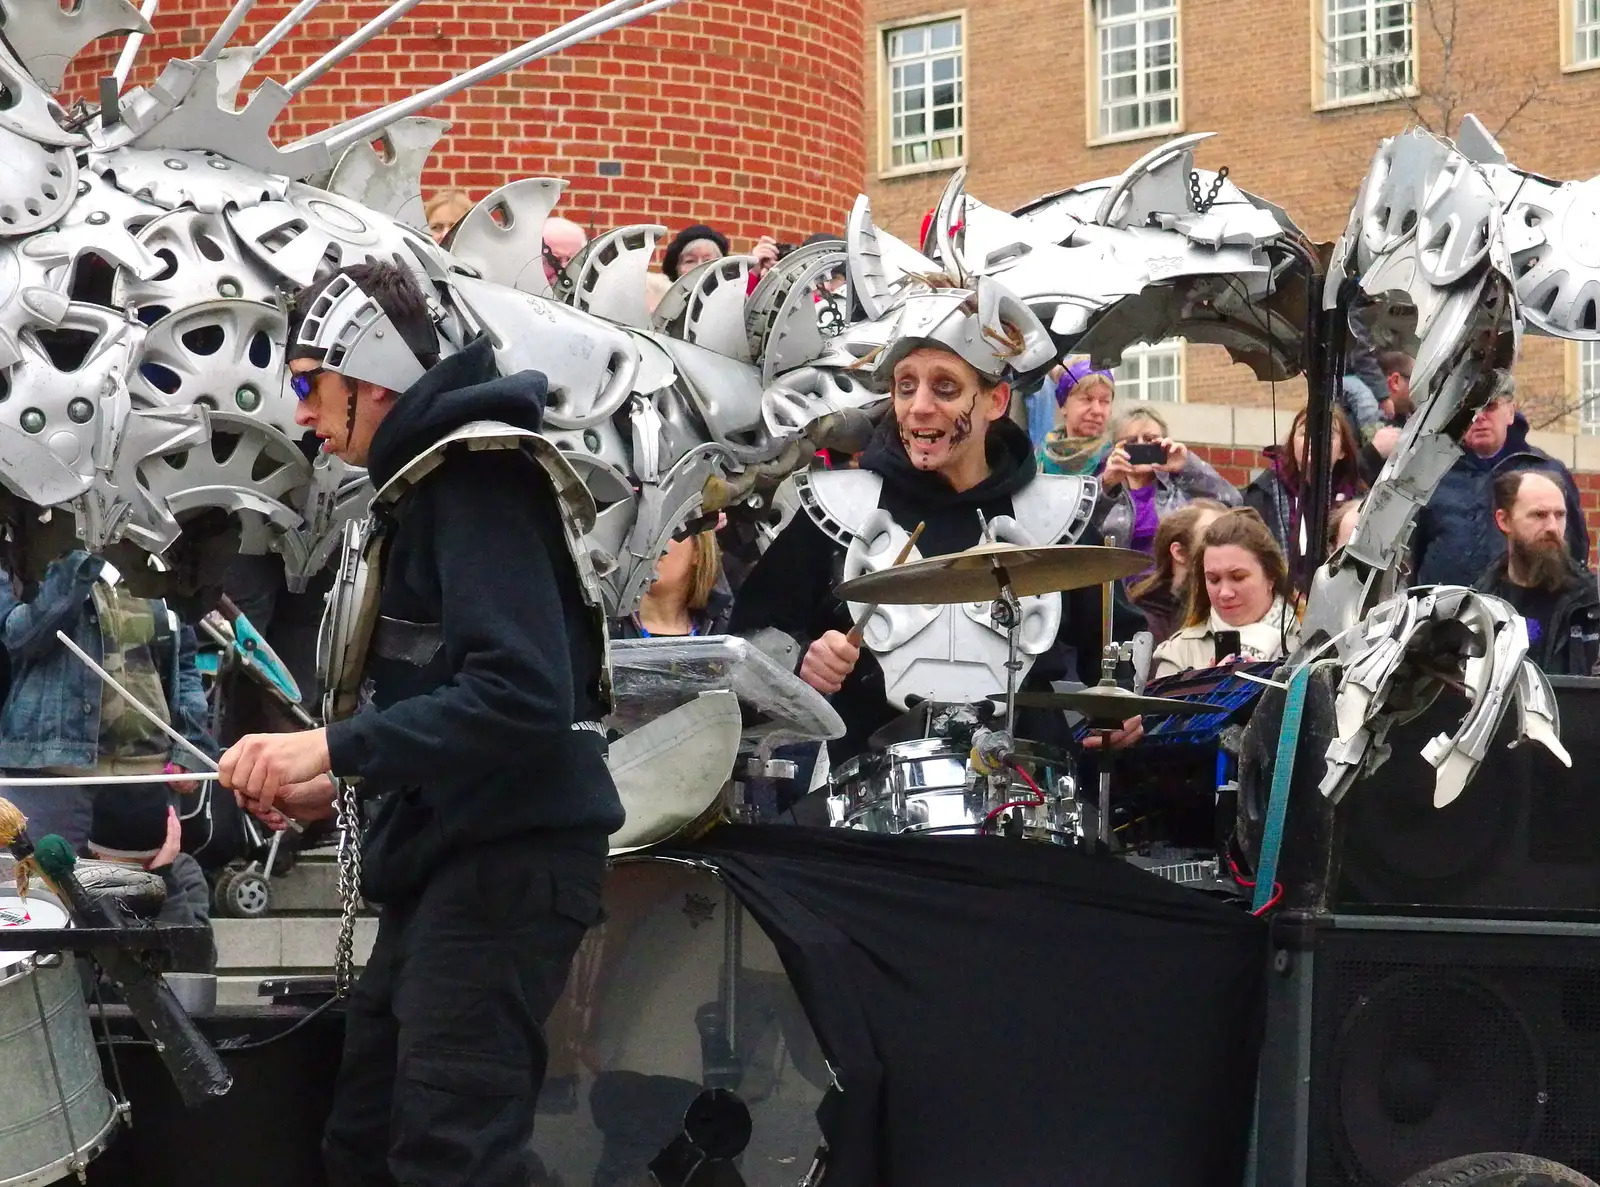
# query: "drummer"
948,457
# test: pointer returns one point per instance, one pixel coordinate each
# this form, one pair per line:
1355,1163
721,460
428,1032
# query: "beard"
1542,561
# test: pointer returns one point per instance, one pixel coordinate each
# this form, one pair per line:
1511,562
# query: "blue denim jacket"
51,715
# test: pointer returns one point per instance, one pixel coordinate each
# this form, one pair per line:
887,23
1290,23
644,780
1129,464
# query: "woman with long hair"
688,596
1163,595
1278,493
1240,587
1135,498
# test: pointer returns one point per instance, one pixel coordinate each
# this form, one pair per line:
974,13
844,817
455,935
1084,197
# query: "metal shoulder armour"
1056,508
839,501
352,609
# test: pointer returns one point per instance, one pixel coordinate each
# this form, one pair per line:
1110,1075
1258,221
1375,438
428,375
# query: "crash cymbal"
1111,703
970,576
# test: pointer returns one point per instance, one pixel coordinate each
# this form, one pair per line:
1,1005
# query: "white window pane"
1368,47
1589,387
1138,59
1151,372
925,93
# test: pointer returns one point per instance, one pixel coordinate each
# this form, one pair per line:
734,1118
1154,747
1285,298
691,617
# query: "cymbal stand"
1006,611
1108,675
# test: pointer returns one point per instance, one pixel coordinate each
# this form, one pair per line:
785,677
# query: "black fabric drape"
1010,1013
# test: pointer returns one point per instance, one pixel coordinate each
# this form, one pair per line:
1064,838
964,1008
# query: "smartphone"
1140,454
1227,644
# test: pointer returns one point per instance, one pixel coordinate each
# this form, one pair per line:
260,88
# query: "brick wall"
747,116
1247,76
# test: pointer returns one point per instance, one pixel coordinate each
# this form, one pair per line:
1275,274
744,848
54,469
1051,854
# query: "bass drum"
676,992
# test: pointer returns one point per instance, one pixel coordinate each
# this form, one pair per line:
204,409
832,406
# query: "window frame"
885,112
1586,415
1143,351
1320,72
1093,137
1570,63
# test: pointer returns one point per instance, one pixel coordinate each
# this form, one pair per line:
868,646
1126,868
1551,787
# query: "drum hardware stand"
1108,675
718,1021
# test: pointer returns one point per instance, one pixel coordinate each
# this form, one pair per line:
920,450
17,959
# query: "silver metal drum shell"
34,1146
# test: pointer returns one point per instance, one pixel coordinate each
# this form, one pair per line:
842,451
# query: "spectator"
1135,498
701,244
563,239
1397,410
444,210
1555,595
138,826
1278,493
1342,523
1163,596
1078,444
688,596
1364,387
58,719
1240,585
1455,539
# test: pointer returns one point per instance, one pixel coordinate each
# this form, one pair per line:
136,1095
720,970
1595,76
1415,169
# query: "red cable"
1033,803
1277,893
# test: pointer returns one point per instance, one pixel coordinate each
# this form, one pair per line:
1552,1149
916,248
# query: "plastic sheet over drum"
42,1013
677,991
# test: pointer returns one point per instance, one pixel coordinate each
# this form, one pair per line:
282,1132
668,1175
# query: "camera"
1142,454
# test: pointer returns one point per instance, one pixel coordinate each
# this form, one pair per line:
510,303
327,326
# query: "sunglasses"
301,382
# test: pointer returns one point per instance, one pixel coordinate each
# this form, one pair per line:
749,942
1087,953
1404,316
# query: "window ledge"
1160,132
1370,100
1580,67
919,170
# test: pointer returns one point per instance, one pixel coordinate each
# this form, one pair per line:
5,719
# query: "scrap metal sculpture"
149,248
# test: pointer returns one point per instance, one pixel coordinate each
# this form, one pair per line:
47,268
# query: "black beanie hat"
669,262
129,821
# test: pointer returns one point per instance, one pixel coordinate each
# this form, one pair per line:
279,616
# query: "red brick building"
1033,95
746,116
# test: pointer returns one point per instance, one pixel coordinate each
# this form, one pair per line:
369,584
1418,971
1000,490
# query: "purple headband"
1076,374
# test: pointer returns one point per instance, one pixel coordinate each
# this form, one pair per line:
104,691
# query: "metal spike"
349,45
609,16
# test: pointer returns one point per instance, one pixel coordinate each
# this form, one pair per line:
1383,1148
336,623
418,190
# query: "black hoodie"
476,744
791,588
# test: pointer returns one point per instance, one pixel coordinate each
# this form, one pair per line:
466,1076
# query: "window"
1138,47
1367,49
1589,388
927,117
1585,34
1152,373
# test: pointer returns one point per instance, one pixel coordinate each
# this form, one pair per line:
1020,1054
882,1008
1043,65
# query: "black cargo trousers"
444,1051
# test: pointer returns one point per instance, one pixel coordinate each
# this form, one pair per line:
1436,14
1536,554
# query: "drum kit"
970,773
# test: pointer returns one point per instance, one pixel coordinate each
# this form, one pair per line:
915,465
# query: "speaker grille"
1430,1045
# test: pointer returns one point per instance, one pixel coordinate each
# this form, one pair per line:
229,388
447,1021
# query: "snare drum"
55,1112
926,786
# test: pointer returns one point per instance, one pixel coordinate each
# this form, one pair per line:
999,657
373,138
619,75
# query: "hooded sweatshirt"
791,588
476,743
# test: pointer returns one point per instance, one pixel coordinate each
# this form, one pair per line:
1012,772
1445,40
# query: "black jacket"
1456,539
476,744
1571,644
791,588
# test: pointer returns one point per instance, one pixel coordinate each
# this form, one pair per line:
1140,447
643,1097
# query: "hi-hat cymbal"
1103,703
970,576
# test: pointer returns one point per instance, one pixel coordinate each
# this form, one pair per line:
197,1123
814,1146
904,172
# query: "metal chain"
1201,205
347,816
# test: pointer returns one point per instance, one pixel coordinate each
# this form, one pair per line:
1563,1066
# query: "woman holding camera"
1148,476
1241,605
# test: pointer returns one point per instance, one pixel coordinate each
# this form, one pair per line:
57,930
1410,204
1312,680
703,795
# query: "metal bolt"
218,163
228,288
174,163
247,398
33,420
83,187
98,218
80,411
591,440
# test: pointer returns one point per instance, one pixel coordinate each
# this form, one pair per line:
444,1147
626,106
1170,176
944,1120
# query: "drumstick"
107,780
861,619
148,714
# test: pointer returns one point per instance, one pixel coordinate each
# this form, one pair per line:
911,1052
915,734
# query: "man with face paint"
947,456
467,697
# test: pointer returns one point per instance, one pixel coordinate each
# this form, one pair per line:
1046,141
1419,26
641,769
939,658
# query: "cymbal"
1103,703
970,576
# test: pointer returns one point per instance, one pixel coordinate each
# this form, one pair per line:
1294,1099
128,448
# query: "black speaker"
1523,836
1395,1043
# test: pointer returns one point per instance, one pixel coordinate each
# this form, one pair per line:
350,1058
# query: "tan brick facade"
747,116
1247,75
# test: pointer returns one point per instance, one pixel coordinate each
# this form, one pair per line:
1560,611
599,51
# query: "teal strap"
1294,707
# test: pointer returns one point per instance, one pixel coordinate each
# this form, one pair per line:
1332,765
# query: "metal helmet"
988,327
355,338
